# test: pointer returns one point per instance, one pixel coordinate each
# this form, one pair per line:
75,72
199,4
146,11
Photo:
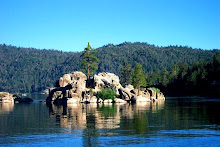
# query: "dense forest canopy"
29,70
201,78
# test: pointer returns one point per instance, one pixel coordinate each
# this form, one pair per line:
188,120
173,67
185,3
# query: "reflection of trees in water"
6,108
101,116
190,113
146,118
97,119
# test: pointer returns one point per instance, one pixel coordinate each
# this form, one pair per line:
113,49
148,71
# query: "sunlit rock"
160,96
70,85
125,93
106,80
117,100
108,101
6,97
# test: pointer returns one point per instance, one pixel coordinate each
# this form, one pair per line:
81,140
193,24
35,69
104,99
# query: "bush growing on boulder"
154,89
106,93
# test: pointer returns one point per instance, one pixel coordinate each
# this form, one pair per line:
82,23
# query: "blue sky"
68,24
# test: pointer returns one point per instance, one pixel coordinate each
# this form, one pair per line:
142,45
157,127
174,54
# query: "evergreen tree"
139,77
164,77
126,74
89,61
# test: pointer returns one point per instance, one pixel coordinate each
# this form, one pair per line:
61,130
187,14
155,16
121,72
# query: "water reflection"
6,108
101,116
175,119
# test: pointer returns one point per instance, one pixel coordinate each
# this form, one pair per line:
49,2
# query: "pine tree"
139,77
164,77
126,74
89,61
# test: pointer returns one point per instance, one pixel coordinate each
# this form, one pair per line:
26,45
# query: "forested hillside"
201,78
33,70
113,57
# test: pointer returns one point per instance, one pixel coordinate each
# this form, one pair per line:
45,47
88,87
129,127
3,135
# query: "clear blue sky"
69,24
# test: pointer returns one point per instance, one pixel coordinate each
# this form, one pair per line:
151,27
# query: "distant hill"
33,70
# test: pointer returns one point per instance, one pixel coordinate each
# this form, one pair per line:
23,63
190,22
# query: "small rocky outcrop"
23,100
75,87
6,97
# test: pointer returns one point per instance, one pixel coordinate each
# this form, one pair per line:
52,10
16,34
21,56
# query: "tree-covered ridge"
30,70
33,70
150,56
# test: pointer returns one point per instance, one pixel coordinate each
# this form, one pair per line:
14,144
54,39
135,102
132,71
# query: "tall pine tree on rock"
126,74
89,61
139,77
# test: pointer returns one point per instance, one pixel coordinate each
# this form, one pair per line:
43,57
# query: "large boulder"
6,97
153,94
106,80
125,93
70,86
117,100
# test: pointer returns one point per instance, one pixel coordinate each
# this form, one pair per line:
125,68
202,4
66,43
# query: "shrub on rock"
106,93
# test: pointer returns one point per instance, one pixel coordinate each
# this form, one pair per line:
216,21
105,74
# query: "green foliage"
139,77
91,91
106,93
113,57
28,70
154,89
126,74
89,61
164,77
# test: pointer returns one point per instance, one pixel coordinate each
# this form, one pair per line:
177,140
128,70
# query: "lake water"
174,122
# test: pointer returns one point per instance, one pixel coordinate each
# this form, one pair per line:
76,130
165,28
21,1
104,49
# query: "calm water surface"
174,122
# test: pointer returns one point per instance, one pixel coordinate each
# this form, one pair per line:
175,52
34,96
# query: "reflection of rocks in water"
157,105
100,116
142,106
69,116
5,108
108,117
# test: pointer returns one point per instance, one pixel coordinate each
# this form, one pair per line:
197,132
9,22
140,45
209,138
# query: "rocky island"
76,88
